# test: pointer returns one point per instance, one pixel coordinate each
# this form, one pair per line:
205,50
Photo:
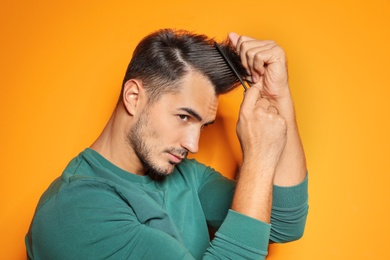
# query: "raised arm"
267,130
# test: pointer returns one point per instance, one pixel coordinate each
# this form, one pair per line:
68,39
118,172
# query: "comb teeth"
230,65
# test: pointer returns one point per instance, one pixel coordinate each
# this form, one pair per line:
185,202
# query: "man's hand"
261,131
265,62
262,134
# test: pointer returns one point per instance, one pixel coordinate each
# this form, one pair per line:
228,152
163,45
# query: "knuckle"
279,50
244,45
272,42
258,55
280,120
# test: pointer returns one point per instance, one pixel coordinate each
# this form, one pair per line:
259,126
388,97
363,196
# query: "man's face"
170,127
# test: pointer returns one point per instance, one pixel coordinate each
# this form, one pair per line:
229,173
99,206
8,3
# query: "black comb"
231,66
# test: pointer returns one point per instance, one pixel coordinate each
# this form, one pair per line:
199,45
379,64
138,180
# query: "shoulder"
199,173
192,165
193,169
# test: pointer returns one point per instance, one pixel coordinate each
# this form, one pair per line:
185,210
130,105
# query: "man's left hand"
265,62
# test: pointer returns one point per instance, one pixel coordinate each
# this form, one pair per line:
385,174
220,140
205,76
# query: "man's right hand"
262,134
261,130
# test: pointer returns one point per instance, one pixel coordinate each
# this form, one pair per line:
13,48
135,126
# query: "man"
134,195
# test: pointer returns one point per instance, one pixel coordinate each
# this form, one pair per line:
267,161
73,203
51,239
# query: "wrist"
283,95
260,162
285,106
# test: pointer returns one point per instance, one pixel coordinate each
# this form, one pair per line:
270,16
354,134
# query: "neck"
112,143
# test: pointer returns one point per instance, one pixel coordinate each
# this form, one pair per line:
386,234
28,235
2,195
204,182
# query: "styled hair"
162,58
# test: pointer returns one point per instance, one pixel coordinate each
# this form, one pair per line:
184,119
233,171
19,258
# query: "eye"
183,118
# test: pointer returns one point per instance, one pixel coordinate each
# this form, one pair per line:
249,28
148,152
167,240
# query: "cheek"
159,130
167,132
171,131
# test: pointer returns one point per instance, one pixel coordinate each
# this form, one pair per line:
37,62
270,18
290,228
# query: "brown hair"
162,58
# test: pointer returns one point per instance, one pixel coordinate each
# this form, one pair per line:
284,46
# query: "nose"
190,141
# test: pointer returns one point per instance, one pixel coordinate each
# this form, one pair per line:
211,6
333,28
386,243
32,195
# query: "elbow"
298,234
288,231
287,237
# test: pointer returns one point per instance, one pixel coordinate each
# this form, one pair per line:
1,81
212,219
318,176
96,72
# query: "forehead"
195,92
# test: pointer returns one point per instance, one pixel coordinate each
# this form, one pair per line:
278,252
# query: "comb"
231,66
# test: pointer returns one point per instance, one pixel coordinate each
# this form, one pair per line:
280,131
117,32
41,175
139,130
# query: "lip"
175,158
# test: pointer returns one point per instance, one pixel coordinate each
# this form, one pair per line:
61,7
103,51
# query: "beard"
143,139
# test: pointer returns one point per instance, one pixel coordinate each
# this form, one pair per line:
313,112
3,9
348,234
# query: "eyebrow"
195,114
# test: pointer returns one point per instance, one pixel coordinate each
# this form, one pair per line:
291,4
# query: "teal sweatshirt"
96,210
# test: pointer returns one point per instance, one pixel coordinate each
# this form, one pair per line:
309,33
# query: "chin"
161,172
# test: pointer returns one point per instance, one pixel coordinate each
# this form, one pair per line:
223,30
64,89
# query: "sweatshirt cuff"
292,196
245,231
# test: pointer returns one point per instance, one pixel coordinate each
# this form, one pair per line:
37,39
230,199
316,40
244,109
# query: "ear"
131,95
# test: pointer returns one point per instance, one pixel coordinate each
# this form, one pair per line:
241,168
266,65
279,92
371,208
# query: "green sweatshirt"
96,210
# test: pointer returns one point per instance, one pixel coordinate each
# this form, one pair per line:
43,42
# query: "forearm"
291,168
253,194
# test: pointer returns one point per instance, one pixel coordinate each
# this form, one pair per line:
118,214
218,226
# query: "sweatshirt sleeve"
289,212
91,220
87,220
289,207
240,237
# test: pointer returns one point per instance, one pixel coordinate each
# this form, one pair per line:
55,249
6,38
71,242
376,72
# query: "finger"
243,39
246,43
250,43
255,59
251,97
248,48
266,56
233,37
246,59
237,40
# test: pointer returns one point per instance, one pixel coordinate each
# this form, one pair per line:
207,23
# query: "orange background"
62,62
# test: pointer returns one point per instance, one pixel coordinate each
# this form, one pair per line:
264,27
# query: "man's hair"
162,58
